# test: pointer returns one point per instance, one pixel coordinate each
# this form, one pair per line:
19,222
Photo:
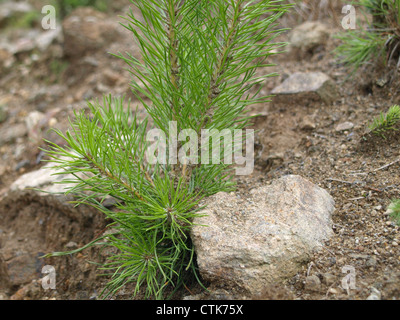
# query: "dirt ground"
359,171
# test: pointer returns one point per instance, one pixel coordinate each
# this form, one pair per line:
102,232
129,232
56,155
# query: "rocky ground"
314,128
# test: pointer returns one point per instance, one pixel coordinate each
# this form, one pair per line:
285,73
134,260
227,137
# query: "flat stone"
344,126
304,88
308,123
44,179
328,279
264,239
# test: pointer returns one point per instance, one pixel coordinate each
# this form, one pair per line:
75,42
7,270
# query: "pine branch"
112,177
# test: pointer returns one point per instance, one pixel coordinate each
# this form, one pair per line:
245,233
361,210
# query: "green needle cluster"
394,211
385,121
377,44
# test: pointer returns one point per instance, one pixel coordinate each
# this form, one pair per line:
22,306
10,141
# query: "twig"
372,189
309,268
188,289
387,165
337,180
354,199
333,255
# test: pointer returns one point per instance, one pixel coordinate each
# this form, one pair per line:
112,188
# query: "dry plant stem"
387,165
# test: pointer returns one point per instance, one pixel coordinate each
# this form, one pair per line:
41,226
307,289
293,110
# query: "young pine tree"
198,70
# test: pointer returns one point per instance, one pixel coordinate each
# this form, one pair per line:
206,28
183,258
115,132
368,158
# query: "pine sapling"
197,72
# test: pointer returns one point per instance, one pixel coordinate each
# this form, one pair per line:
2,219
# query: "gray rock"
24,268
371,262
264,239
87,30
328,279
304,88
312,283
33,119
26,42
71,245
306,37
344,126
308,123
47,38
44,179
11,133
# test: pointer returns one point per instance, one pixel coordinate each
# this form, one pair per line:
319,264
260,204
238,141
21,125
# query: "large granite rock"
263,239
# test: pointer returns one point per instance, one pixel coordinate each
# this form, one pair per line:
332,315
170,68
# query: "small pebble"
333,291
71,245
22,164
312,283
328,279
